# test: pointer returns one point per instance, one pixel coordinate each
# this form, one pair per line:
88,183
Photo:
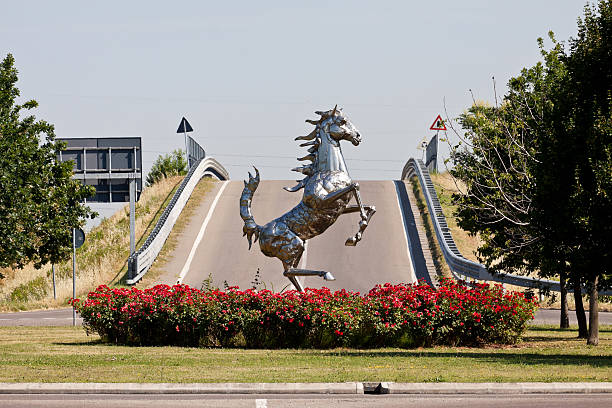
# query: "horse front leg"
333,196
366,213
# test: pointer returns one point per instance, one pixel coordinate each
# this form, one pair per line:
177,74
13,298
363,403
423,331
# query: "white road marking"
196,243
408,245
261,403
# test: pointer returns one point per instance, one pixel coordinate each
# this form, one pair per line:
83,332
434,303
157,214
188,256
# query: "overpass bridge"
213,245
393,248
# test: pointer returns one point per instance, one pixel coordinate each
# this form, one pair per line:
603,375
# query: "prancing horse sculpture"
328,188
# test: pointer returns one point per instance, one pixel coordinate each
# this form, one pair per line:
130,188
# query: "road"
223,254
311,401
55,317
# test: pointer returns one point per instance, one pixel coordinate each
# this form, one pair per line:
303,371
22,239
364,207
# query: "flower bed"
404,315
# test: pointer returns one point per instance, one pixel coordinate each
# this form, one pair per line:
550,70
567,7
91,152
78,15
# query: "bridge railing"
461,267
140,262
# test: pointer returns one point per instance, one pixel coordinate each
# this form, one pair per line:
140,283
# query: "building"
108,164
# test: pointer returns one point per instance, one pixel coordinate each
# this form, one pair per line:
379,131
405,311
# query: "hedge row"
404,315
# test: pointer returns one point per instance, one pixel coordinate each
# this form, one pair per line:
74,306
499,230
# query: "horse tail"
250,229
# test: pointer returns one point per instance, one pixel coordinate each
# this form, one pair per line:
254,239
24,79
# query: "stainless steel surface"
222,254
328,188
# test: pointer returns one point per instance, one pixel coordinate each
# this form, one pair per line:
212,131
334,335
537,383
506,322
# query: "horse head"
337,125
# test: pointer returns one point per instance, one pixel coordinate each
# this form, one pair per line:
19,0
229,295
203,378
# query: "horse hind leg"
293,252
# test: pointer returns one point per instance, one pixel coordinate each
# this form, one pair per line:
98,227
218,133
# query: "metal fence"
195,152
461,267
140,262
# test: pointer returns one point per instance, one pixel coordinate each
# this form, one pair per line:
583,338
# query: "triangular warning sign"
438,124
184,126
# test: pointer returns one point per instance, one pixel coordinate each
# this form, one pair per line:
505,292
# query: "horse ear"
334,111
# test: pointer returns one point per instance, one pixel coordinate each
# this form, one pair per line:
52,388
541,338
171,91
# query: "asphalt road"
312,401
381,256
56,317
222,252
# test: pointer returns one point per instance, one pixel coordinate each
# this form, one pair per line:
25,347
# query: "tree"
495,159
167,165
40,203
538,167
589,125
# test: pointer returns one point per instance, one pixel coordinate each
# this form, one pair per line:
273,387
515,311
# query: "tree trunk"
580,315
564,322
593,339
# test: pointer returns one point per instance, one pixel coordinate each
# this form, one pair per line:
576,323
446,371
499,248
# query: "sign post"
78,238
132,188
185,127
431,150
53,273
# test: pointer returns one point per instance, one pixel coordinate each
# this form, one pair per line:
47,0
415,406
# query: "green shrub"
35,289
168,165
404,315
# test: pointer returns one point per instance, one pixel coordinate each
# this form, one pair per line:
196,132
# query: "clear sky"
246,74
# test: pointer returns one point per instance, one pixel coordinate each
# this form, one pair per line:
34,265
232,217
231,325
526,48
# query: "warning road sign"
438,124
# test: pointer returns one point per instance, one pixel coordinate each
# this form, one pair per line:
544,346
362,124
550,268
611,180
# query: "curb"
173,388
495,388
346,388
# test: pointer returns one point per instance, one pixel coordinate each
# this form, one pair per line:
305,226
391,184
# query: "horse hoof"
329,277
351,242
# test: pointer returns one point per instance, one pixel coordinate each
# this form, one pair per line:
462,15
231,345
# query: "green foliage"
586,235
389,315
498,164
39,201
174,164
35,289
538,165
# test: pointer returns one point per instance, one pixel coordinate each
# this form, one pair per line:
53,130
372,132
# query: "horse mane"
313,141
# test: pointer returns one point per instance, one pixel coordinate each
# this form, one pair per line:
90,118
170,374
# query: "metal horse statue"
328,188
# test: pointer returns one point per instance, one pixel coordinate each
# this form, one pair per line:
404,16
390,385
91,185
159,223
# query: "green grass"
66,354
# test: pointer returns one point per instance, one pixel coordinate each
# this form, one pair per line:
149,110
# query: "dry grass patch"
445,187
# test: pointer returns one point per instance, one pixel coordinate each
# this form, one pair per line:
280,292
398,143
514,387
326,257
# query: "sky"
246,74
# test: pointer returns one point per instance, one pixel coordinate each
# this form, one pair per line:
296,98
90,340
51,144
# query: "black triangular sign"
184,126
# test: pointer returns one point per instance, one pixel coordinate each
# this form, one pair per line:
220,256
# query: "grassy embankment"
445,187
66,354
103,257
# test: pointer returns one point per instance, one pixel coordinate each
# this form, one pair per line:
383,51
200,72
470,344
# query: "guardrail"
141,260
457,263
